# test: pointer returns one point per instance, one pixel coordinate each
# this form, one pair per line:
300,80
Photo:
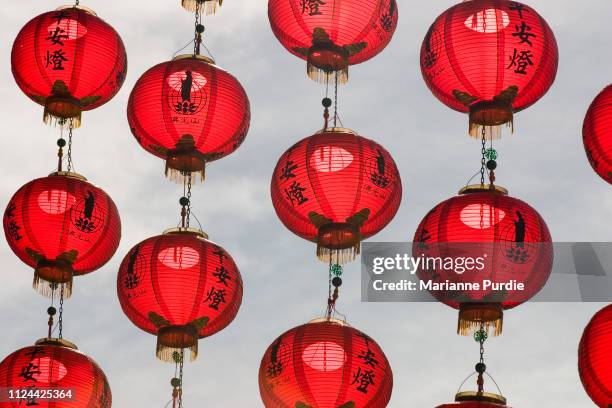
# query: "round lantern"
53,374
180,287
62,226
331,35
69,61
483,237
325,364
206,6
189,112
595,358
336,188
477,400
490,58
597,134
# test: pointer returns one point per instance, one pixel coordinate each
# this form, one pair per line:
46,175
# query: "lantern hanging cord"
185,202
483,159
51,311
481,336
60,320
177,381
69,153
335,281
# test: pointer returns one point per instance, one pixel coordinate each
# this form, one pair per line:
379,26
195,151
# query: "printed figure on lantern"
597,134
336,188
62,226
69,61
325,363
313,31
507,242
188,112
180,287
489,58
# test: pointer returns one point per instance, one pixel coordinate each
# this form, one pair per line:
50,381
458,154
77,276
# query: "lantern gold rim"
487,188
199,57
329,320
69,174
474,396
337,130
186,231
79,7
52,341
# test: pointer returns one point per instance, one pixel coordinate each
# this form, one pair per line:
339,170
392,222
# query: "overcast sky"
543,163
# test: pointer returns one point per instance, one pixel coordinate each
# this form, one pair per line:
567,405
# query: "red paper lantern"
336,188
199,6
189,112
508,241
69,61
62,226
180,287
325,364
490,58
595,358
597,134
331,35
57,367
477,400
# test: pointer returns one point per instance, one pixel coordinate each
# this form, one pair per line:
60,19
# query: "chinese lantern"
336,188
595,358
189,112
597,134
508,243
57,367
331,35
69,61
180,287
62,226
477,400
325,364
207,6
490,58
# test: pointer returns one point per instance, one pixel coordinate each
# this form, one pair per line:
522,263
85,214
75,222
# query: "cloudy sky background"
543,163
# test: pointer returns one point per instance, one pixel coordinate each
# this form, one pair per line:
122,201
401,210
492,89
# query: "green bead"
481,336
336,270
491,154
176,356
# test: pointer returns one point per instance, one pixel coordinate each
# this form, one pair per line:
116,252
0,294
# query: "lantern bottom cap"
208,6
474,316
174,339
338,242
62,110
474,396
489,116
48,275
185,161
326,60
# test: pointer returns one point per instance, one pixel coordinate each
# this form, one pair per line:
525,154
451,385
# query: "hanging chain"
69,153
481,336
60,320
336,99
483,161
180,396
188,212
198,28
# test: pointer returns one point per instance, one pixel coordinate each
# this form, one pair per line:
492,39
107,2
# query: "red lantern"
595,358
490,58
597,134
180,287
477,400
336,188
206,6
325,364
69,61
54,366
189,112
62,226
509,243
331,35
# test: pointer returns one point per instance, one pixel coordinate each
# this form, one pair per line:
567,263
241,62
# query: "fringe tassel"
491,132
472,316
339,256
55,119
208,6
166,353
179,176
44,287
323,77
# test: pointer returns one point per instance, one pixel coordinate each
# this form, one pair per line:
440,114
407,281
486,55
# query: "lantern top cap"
337,130
50,341
79,7
487,188
329,320
199,57
473,396
186,231
68,174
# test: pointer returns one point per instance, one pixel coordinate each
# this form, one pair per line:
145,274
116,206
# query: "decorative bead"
337,282
327,102
200,28
336,270
176,356
481,336
61,142
175,382
481,368
491,154
184,201
491,165
51,311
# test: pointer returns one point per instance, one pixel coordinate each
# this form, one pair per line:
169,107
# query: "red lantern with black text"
597,134
188,112
180,287
595,358
490,58
508,245
336,188
325,364
333,34
62,226
53,367
68,60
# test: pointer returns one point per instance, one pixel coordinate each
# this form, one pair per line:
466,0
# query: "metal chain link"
188,199
483,161
60,320
69,153
180,398
336,100
198,37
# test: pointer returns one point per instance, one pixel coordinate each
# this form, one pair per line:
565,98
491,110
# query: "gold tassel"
474,315
172,339
45,288
208,6
55,119
339,256
323,77
166,353
179,176
491,132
